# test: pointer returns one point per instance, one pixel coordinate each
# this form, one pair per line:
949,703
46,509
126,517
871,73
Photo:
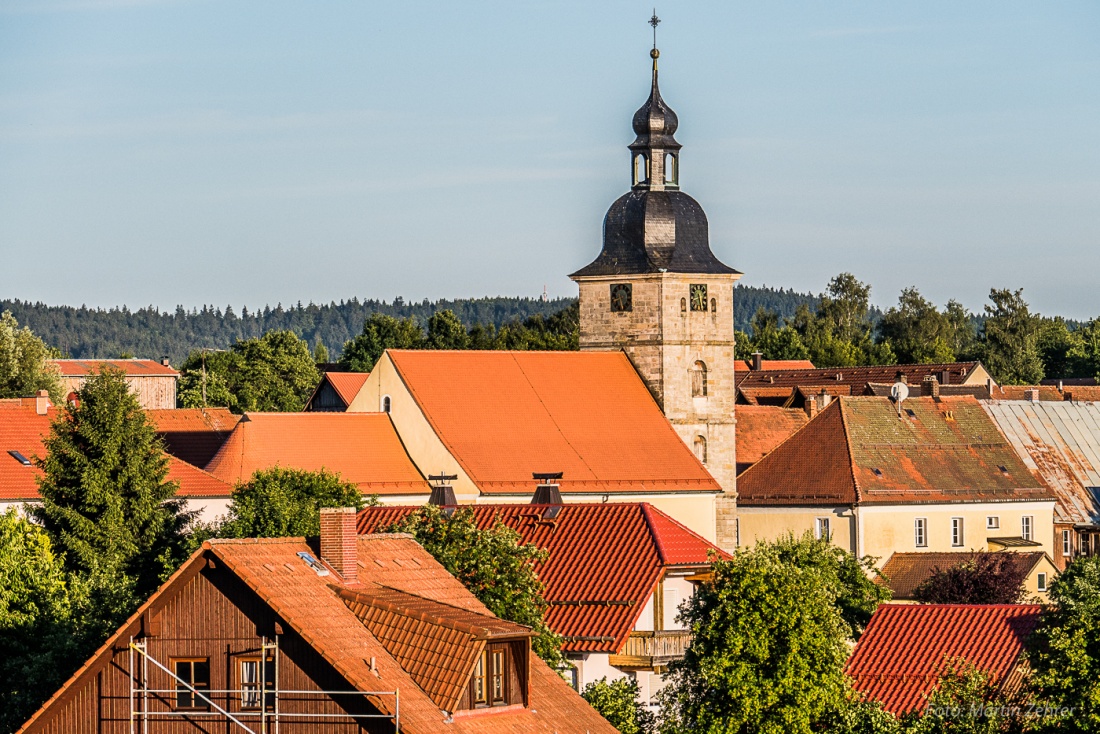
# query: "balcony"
651,650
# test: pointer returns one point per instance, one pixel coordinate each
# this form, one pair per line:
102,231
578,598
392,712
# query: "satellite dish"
899,391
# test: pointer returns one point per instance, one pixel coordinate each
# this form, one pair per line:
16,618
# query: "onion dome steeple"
655,227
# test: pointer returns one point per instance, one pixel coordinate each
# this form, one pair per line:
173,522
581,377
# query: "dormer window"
489,684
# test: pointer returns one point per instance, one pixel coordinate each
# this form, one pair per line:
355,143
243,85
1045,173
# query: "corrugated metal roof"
1060,441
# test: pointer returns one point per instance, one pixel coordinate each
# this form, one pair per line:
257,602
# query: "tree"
1084,356
24,362
965,701
962,336
380,332
280,503
767,652
839,333
850,578
39,642
1064,651
859,716
493,564
1057,345
1009,340
106,501
320,353
916,331
445,331
985,578
774,342
619,703
275,372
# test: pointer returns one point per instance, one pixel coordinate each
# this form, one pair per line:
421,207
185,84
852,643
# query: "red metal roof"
132,367
603,562
363,448
905,647
860,451
504,415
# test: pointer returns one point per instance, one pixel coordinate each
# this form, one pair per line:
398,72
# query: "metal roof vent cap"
548,491
443,494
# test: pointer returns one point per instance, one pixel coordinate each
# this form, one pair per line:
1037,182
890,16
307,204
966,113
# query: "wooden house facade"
346,635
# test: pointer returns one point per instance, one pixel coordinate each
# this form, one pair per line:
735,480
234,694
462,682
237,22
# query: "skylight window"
313,563
19,457
877,471
910,413
1003,468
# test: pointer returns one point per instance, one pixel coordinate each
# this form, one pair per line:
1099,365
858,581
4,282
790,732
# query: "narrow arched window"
699,380
386,404
701,449
683,304
641,168
671,174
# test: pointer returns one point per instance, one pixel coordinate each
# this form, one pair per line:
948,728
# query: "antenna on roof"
899,391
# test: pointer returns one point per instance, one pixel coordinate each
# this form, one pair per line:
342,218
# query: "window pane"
498,675
184,698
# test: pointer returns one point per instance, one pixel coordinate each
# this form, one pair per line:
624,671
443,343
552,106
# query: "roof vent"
313,563
19,457
548,492
443,494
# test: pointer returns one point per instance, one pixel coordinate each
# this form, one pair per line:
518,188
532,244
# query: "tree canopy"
24,366
619,702
274,372
493,564
985,578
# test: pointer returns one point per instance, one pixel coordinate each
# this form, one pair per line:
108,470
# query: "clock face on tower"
621,297
698,292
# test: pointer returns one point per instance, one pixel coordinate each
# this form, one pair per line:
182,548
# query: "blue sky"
195,152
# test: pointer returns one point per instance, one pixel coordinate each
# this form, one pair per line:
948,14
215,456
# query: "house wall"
1031,583
212,616
771,523
886,529
152,391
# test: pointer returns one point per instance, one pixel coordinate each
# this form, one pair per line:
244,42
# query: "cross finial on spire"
654,21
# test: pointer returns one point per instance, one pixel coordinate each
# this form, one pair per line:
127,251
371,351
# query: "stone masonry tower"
657,292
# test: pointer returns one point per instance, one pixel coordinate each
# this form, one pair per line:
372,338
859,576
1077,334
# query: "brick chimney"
1032,394
811,406
930,387
338,541
164,361
41,402
757,361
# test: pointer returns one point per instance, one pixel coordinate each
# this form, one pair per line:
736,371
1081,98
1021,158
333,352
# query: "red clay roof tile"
603,560
193,434
905,647
504,415
760,428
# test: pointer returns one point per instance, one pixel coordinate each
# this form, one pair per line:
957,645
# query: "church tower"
657,292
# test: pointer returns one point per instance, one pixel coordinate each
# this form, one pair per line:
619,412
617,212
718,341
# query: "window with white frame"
1041,581
992,522
1067,544
957,532
1027,527
920,532
821,528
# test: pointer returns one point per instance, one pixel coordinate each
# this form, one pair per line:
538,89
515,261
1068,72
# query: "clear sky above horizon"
249,153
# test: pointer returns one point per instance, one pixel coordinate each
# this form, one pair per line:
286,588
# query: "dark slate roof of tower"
652,230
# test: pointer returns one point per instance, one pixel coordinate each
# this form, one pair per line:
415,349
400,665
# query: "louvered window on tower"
699,380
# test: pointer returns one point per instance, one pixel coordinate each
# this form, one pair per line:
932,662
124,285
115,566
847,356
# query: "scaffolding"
267,716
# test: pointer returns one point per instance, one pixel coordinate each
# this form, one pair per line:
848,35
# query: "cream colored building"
878,478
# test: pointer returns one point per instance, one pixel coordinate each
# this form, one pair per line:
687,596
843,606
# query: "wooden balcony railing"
647,650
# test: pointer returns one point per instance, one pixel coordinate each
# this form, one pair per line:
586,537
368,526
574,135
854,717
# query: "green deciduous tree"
493,564
966,701
280,503
620,703
916,331
859,716
850,578
767,652
1064,652
380,332
985,578
1009,339
839,332
40,643
445,331
275,372
24,365
106,501
1084,355
773,341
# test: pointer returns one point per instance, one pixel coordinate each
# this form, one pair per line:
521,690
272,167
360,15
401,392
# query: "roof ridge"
653,534
850,464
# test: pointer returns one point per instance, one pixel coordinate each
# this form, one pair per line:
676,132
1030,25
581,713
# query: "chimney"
338,541
901,377
548,491
930,387
41,402
757,361
443,494
1032,394
164,361
811,406
989,385
824,399
945,377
